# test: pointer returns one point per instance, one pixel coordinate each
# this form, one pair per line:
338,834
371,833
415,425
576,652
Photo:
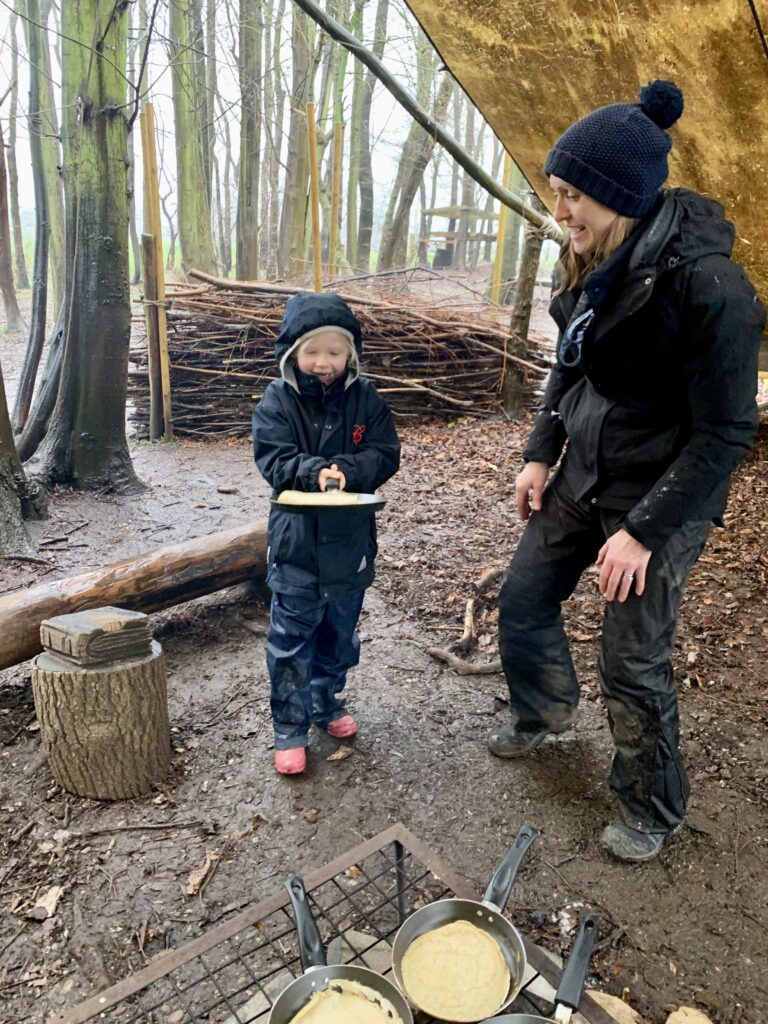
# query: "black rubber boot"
509,741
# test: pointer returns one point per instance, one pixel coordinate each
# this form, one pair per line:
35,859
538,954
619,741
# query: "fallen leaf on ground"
46,905
198,876
340,754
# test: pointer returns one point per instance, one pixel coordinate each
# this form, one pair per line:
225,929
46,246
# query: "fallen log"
148,582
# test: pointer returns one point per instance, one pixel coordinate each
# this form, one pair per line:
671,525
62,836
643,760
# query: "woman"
653,399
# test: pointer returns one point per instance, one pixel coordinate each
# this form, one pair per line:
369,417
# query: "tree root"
464,668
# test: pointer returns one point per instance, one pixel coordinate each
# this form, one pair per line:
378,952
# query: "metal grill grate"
234,973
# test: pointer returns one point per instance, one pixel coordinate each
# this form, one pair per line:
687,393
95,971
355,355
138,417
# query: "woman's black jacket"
661,408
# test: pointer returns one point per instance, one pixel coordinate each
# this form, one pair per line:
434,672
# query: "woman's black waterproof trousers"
634,668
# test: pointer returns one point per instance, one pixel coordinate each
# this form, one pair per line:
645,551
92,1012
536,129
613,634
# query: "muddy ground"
689,928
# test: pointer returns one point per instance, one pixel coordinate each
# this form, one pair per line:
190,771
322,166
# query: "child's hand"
334,473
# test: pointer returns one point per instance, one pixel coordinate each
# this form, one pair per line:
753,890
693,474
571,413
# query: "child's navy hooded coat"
299,428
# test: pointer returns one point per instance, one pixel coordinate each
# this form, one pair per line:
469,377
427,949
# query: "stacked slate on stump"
101,700
98,635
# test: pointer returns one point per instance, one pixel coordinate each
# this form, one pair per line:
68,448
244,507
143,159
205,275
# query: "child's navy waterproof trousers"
312,644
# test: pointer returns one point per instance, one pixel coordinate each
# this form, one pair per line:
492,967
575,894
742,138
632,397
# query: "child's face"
325,355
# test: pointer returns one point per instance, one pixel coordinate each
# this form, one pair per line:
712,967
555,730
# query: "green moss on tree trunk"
86,444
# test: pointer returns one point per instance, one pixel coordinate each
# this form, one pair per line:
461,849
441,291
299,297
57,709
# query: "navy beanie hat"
618,154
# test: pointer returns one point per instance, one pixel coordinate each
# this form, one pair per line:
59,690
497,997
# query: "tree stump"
104,723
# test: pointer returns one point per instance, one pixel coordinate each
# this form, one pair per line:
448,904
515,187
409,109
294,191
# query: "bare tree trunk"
192,164
294,215
44,399
276,140
170,262
513,388
13,536
265,206
22,280
12,311
393,248
353,169
42,230
226,169
52,161
85,444
247,240
487,225
365,228
134,45
467,193
450,242
473,248
427,223
511,244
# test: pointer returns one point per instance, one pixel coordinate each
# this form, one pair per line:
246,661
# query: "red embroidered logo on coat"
357,433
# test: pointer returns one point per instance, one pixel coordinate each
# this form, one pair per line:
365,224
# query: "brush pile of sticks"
425,360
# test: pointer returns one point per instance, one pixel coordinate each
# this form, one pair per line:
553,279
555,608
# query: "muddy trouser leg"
559,542
291,643
647,776
337,651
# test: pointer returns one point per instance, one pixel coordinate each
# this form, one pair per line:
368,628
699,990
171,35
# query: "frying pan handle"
500,886
310,943
332,484
571,986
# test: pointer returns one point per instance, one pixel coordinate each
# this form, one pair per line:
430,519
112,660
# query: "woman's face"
585,219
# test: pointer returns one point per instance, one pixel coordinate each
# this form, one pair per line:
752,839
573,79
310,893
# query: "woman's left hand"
623,562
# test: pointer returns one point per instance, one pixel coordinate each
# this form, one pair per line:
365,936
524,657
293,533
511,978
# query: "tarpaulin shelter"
534,66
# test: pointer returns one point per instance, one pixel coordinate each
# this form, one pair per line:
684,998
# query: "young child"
321,420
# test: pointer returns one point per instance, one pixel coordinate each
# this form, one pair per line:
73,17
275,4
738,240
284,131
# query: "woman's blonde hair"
573,268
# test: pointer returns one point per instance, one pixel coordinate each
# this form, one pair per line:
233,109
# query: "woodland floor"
687,929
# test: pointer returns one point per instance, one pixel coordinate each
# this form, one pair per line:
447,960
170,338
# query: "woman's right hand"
529,487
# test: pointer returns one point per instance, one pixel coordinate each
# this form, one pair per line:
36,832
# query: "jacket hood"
685,227
309,312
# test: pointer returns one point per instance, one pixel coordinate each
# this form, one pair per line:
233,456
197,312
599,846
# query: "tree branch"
337,31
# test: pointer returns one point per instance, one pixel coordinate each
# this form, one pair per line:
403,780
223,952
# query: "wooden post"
314,189
501,234
338,157
149,277
153,226
101,700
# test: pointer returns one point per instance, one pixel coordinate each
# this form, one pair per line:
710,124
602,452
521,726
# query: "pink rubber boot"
342,728
291,762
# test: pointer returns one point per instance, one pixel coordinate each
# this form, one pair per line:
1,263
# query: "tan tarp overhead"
534,66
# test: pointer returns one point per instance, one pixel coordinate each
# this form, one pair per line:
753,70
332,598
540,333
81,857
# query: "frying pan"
314,501
317,976
485,915
571,987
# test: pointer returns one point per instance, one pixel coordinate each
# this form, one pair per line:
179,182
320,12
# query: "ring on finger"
628,575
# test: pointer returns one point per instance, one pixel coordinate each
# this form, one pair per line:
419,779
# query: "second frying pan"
485,915
317,975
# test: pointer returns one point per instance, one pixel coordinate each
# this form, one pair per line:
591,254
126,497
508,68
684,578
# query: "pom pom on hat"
662,102
618,154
